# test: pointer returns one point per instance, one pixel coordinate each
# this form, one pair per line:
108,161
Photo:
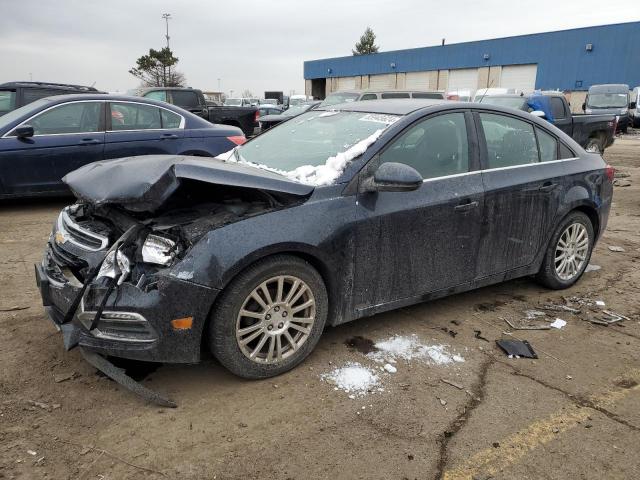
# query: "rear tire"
568,253
260,327
594,145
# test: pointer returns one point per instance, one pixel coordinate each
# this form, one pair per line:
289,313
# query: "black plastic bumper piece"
117,374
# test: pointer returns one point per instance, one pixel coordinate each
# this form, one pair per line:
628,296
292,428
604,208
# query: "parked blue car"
43,141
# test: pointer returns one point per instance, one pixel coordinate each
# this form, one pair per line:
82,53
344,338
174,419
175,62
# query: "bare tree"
247,94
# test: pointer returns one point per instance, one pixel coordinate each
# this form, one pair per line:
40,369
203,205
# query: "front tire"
269,318
568,253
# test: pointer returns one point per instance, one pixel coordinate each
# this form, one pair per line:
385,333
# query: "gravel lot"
572,413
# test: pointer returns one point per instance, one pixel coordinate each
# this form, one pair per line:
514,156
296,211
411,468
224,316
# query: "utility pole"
167,17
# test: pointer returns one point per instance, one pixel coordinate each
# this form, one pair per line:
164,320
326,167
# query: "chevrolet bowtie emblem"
60,238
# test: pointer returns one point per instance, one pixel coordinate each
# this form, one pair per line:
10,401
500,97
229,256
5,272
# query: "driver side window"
435,147
77,117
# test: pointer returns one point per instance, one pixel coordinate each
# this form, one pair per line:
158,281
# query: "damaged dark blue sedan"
335,215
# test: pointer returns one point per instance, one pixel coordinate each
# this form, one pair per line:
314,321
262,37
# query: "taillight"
610,172
255,119
238,139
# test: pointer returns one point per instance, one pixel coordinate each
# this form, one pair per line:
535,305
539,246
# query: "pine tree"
366,45
155,70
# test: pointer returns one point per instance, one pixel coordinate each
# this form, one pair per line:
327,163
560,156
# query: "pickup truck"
191,99
594,133
18,94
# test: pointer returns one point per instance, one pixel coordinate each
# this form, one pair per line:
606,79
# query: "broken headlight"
158,250
116,265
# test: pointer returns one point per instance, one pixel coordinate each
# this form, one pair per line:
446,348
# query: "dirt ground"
574,413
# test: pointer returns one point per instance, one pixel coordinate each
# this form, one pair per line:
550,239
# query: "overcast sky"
254,44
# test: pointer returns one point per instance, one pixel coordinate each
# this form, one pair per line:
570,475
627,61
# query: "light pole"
167,17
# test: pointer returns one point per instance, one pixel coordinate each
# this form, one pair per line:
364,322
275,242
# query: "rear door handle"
548,187
465,206
89,141
169,136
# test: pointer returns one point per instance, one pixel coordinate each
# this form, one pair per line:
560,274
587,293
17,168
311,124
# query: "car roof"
400,106
49,85
609,88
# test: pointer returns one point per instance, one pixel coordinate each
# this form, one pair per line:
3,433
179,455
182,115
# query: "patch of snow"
226,155
558,323
322,174
185,275
390,368
409,348
353,378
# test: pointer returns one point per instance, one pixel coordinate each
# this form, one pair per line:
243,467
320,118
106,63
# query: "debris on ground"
45,406
607,319
408,348
560,308
13,309
390,368
592,268
558,323
62,377
353,378
621,183
517,348
478,334
453,384
442,401
615,248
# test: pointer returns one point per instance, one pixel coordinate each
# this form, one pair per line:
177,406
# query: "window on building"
509,141
435,147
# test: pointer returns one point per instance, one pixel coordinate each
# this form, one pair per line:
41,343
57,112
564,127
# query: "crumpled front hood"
144,183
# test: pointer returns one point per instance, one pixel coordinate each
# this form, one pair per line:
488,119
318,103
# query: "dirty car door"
522,194
412,243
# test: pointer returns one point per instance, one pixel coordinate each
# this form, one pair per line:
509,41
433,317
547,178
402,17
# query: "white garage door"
463,79
520,77
382,82
417,81
346,83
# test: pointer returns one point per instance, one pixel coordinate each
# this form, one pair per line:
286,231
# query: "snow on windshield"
321,174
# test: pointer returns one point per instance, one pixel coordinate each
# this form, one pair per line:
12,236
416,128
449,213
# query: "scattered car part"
517,348
117,374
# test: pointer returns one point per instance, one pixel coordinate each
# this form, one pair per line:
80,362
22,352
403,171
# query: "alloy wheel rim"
275,319
571,251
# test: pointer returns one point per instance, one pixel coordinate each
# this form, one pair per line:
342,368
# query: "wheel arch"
305,252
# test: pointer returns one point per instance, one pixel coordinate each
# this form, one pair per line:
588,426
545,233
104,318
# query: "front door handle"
465,207
89,141
548,187
169,136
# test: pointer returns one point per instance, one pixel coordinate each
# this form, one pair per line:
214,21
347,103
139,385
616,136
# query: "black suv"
17,94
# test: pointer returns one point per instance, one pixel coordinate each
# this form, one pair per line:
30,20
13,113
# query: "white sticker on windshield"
379,118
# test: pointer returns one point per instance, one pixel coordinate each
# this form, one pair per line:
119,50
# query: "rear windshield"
512,102
7,101
340,97
607,100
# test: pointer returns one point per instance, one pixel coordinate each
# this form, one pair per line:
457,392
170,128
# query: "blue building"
568,60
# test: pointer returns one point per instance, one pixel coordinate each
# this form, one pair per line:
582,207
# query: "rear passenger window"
170,119
395,95
557,108
566,152
510,141
435,147
548,146
134,116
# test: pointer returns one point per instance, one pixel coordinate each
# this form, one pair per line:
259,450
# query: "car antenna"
485,91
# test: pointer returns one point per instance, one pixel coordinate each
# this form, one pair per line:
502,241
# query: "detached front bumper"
135,324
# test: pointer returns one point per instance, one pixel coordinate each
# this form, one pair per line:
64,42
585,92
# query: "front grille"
80,234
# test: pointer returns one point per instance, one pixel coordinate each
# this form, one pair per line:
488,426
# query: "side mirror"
632,105
23,131
539,114
393,177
